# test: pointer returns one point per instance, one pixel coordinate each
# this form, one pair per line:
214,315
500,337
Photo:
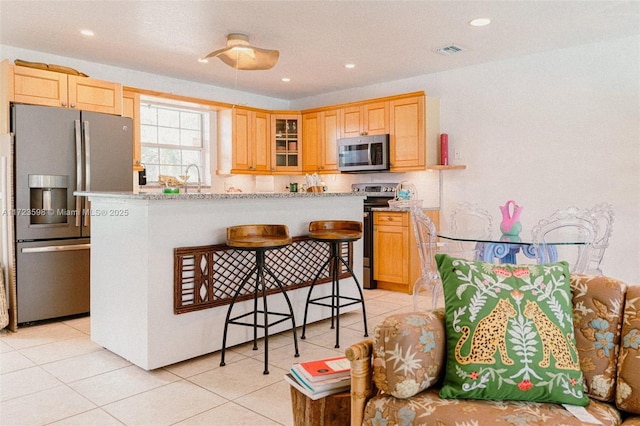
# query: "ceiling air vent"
449,50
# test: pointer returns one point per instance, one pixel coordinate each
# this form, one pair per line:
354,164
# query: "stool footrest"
235,320
340,298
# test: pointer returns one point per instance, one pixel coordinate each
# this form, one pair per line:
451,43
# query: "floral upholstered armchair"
403,375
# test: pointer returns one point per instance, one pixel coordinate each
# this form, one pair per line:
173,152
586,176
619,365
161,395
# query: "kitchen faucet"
186,172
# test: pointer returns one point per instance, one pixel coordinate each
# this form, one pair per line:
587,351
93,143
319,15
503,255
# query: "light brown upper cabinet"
370,118
250,141
321,132
42,87
286,148
131,109
407,134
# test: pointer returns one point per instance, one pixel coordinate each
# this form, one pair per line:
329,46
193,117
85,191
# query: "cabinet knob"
73,105
64,104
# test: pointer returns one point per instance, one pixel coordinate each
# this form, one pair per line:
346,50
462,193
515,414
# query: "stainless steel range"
378,195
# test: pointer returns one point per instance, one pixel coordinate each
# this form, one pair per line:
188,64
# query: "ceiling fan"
239,54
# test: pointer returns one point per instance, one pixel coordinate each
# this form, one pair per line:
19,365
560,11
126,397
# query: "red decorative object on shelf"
444,149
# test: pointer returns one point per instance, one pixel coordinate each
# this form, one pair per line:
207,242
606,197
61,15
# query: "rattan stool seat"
335,230
258,236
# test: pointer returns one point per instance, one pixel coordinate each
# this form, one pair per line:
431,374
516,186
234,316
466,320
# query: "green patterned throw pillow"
509,332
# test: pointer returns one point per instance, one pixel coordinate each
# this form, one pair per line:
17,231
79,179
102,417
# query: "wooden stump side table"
332,410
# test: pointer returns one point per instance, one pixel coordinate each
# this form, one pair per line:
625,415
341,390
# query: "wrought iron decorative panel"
208,276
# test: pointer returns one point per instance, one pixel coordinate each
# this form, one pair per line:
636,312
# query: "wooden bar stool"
335,232
259,239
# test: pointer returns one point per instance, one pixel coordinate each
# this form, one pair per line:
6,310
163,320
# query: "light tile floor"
53,374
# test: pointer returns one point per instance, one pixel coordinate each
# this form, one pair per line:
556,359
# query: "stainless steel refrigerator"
58,151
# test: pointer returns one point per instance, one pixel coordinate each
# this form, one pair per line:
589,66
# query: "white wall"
549,130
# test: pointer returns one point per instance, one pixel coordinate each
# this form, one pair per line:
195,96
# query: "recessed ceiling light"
203,60
349,66
87,33
286,79
480,22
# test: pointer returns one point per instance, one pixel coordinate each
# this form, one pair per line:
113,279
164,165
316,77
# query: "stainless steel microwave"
363,154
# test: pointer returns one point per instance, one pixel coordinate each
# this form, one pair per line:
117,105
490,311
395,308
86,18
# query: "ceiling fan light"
245,50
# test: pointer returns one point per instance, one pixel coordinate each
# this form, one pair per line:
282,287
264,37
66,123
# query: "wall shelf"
448,167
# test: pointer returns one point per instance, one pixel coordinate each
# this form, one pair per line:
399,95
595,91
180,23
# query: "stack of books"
320,378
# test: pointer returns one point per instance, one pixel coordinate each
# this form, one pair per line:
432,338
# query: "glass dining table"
504,248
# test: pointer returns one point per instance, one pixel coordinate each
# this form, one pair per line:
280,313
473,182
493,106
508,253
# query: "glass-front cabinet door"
287,143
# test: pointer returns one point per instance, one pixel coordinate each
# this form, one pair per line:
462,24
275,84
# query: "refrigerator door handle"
48,249
87,169
87,155
78,136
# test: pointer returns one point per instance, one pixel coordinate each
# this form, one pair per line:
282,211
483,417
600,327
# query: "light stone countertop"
143,195
403,209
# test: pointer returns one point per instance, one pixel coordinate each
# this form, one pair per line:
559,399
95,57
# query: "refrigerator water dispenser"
48,199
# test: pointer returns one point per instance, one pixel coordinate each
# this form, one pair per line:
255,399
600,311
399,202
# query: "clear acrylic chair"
429,285
473,222
603,214
575,227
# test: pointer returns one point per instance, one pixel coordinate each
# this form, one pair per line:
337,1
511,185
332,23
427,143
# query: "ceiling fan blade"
261,59
216,53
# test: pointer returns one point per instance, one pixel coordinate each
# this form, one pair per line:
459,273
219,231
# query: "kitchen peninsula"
133,272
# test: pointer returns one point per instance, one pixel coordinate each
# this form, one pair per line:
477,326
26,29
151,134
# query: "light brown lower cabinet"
396,262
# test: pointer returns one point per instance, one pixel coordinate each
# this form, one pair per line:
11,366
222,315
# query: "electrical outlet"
457,155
